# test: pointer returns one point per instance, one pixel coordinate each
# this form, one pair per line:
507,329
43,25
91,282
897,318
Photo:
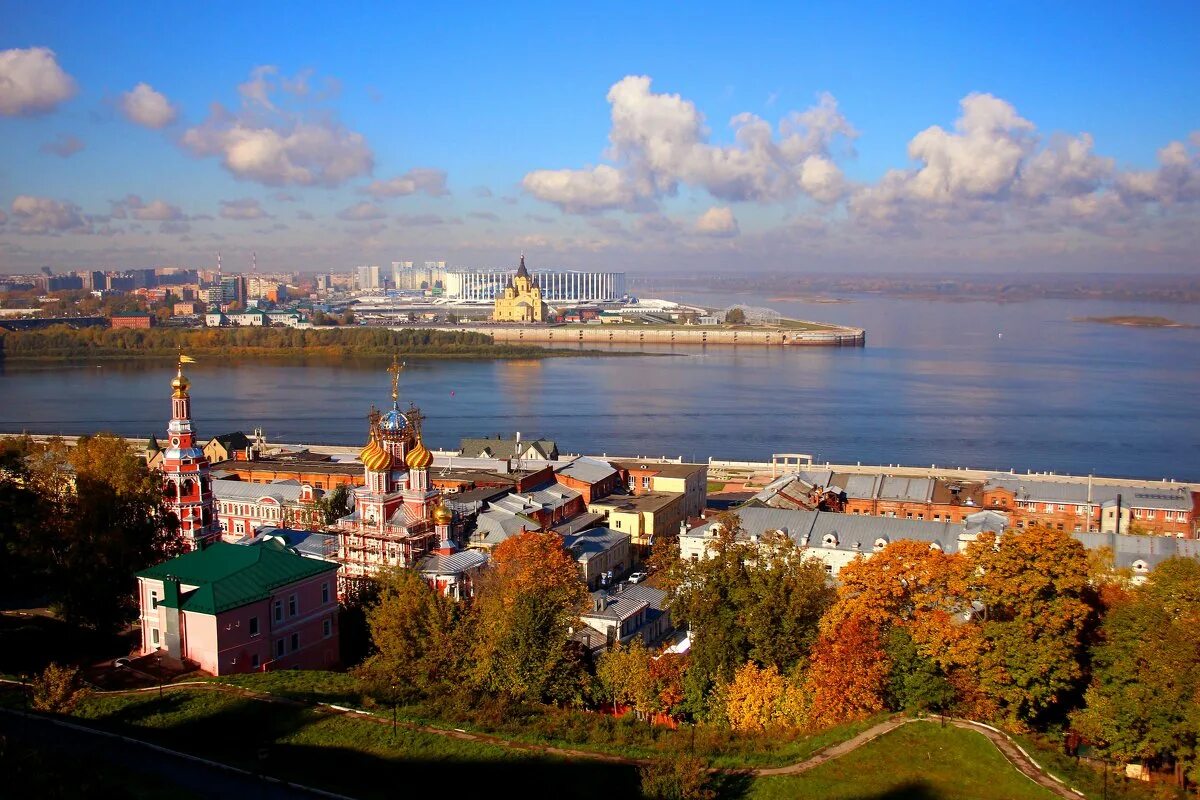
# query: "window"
292,606
153,600
254,626
327,628
279,643
645,481
295,642
279,611
154,636
324,592
1062,507
1049,507
254,661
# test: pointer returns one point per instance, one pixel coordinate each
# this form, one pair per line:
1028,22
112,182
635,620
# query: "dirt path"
1012,752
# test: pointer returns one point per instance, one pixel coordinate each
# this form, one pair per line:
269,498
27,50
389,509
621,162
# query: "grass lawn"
339,752
561,728
920,761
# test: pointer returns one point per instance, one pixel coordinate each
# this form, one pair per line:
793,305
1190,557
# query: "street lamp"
393,711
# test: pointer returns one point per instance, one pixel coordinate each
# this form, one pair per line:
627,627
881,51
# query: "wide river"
987,385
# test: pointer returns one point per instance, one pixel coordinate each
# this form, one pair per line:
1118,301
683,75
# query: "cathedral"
522,299
398,517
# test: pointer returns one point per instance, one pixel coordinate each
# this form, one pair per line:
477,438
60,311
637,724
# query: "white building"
557,285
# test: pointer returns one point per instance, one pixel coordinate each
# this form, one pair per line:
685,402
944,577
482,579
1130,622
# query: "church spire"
521,271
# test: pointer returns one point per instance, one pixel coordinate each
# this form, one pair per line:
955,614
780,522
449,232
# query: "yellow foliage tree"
760,699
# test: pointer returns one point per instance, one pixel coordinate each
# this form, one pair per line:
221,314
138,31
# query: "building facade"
241,608
558,286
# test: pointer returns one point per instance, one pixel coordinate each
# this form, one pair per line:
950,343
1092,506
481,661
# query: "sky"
690,137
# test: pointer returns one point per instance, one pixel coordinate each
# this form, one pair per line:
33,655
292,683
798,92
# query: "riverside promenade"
814,334
751,473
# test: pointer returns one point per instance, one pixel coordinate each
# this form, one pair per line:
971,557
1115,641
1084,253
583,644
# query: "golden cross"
395,369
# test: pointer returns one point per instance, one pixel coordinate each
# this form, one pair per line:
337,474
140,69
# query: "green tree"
626,679
1034,586
677,776
334,504
523,612
413,634
735,316
1144,700
748,600
916,682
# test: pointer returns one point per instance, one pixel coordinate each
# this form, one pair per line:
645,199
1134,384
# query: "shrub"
677,777
58,689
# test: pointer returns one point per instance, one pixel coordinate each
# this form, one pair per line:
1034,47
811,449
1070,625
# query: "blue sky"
510,104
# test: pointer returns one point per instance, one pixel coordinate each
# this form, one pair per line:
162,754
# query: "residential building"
646,518
603,555
592,478
233,609
521,300
1083,507
310,469
689,480
235,445
508,448
243,508
451,571
629,612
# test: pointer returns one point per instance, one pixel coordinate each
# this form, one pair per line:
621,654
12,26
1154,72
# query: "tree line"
60,342
1026,629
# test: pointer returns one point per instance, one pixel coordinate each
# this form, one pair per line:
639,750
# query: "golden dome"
419,457
180,384
374,457
442,515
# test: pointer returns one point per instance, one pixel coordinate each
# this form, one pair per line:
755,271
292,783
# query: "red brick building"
131,319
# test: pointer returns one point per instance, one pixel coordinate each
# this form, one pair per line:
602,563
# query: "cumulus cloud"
361,212
417,180
660,141
144,106
32,82
278,146
717,221
1177,179
44,215
246,208
64,146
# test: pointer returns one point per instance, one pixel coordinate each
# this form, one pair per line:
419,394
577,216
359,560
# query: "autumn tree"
677,776
626,678
57,689
849,672
747,600
760,699
413,633
525,607
1144,701
1033,586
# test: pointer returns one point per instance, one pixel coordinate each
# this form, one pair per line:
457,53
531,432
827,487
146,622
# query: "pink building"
241,608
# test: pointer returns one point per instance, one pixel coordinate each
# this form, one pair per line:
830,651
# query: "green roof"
233,575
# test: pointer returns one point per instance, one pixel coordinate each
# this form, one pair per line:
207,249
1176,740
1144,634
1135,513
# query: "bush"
677,777
57,689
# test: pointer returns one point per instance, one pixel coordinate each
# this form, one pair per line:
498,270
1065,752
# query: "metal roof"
453,564
588,470
230,576
1132,495
913,490
592,542
281,492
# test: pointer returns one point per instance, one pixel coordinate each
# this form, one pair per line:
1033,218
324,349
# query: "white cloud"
276,146
64,146
659,141
1177,179
360,212
717,221
246,208
149,108
32,82
133,206
418,180
43,215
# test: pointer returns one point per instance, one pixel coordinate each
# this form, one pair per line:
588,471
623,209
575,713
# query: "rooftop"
636,502
666,469
588,470
229,576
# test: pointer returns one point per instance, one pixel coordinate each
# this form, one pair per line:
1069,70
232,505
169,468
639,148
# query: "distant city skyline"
1011,138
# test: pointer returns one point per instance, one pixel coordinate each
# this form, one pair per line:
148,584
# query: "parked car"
638,577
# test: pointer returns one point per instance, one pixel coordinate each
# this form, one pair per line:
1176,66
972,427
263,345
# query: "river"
988,385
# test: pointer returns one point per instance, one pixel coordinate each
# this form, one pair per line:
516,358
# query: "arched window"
935,546
1140,567
186,488
830,540
880,543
